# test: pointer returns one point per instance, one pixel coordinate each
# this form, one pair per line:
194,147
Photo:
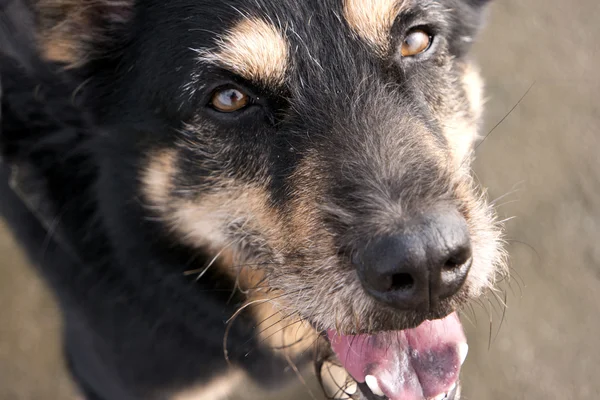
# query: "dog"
225,193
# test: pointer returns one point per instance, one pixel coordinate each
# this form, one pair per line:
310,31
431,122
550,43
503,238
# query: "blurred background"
544,158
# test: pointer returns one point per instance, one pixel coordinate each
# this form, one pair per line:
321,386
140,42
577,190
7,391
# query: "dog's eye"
229,100
417,42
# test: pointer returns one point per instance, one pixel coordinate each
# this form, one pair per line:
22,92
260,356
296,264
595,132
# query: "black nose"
426,261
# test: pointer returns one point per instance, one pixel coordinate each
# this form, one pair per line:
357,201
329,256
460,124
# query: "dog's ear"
468,18
72,32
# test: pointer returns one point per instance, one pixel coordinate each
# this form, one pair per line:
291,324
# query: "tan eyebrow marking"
372,20
253,49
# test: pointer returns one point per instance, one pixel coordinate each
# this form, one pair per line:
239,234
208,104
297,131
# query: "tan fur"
219,389
66,28
461,125
287,334
158,175
473,85
59,49
203,224
61,24
372,20
254,49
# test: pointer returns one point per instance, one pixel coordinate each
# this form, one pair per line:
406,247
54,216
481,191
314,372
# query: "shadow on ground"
544,155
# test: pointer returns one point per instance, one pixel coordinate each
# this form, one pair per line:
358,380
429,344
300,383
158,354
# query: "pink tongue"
413,364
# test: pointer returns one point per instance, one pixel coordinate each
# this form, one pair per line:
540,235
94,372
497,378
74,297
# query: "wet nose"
425,261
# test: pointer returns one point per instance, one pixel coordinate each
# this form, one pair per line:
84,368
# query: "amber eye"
415,43
229,100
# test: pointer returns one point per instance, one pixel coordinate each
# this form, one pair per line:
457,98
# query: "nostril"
458,259
402,282
454,273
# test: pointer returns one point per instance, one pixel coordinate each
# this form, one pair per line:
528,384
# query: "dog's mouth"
412,364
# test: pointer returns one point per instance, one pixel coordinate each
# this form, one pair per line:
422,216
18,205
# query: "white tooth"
440,396
351,389
372,383
452,388
463,350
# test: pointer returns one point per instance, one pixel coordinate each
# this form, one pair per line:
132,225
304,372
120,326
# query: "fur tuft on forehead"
372,20
254,49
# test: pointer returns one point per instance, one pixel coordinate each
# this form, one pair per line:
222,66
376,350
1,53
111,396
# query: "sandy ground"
546,155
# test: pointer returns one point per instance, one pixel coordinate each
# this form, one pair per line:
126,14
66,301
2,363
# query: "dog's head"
320,152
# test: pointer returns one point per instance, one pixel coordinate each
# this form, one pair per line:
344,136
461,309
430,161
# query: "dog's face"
320,151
